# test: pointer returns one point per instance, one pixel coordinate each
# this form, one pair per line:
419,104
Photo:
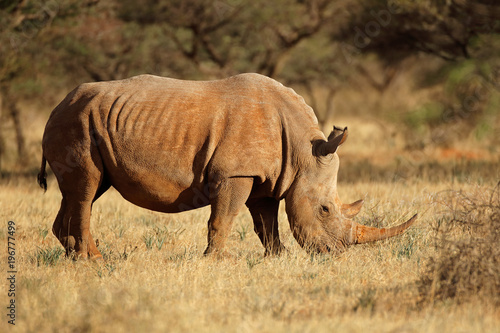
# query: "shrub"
466,263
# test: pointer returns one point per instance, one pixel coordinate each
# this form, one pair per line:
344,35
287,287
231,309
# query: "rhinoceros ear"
335,139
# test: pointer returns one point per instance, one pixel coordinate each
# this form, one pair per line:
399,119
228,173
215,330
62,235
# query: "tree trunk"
2,142
16,118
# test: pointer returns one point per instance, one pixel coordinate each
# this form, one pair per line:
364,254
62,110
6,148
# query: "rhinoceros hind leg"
265,219
72,228
226,199
79,188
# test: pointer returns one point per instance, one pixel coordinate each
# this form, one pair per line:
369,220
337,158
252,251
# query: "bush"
467,260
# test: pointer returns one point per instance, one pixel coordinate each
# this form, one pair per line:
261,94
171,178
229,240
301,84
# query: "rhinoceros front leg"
265,219
227,196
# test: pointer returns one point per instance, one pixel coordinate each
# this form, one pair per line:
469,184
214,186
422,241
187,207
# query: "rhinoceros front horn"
364,234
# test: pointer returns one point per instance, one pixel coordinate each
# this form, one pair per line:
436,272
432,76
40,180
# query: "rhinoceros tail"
42,175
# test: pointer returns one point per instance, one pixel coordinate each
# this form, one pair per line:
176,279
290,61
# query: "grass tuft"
48,256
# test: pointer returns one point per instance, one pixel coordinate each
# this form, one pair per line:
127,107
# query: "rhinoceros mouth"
323,248
328,243
336,248
327,248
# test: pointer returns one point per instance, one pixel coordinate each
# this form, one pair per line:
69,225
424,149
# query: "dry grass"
155,278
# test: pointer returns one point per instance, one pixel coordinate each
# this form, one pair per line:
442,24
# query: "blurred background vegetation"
422,76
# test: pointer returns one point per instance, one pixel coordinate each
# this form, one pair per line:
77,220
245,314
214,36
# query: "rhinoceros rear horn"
335,139
351,210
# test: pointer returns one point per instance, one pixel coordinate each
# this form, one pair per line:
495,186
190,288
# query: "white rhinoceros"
171,145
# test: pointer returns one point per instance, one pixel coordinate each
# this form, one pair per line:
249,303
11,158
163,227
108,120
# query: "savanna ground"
154,277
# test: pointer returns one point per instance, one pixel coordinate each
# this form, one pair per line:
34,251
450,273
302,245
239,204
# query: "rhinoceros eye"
325,209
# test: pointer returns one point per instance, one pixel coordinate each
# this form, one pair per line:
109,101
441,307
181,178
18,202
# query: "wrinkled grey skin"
170,145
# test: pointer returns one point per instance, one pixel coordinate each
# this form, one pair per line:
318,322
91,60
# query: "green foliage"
242,231
485,126
161,235
427,114
48,256
460,73
29,87
406,250
467,105
119,232
109,252
107,270
253,261
148,241
43,232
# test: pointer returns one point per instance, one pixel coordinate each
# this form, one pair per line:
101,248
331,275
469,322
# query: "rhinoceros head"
319,221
